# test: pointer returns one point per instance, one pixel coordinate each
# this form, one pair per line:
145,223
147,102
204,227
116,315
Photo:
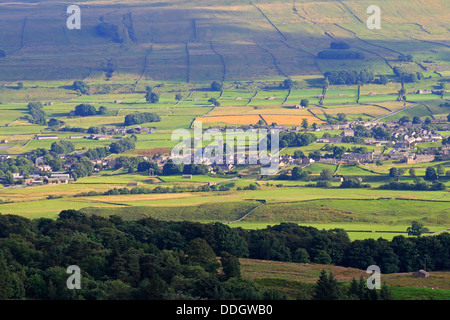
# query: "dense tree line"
349,76
340,55
151,259
139,118
419,185
144,259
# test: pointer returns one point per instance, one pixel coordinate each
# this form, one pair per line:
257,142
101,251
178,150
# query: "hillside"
297,280
195,41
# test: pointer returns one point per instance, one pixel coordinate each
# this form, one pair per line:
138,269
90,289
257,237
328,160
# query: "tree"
6,285
214,101
393,173
326,175
37,113
440,170
171,168
19,85
412,172
304,103
383,80
81,87
178,97
430,174
2,53
102,110
230,266
216,86
152,97
299,154
305,123
200,252
327,287
416,229
288,84
297,173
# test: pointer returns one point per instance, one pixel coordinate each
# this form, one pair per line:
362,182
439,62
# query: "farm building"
46,137
132,184
421,274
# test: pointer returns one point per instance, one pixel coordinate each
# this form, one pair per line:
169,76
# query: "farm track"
395,112
244,216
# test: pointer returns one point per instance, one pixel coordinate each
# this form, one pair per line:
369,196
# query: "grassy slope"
297,280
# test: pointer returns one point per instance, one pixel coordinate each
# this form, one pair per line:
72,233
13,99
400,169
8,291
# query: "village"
399,144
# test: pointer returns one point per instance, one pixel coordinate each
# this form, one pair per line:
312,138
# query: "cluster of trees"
340,55
119,260
123,145
431,173
86,110
295,139
15,165
151,259
37,113
151,96
62,147
54,123
80,86
328,288
339,118
349,76
340,45
407,76
419,184
353,184
138,118
110,31
216,86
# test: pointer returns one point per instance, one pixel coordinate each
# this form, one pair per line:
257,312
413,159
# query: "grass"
297,280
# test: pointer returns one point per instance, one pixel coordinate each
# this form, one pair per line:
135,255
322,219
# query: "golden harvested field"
237,120
290,119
